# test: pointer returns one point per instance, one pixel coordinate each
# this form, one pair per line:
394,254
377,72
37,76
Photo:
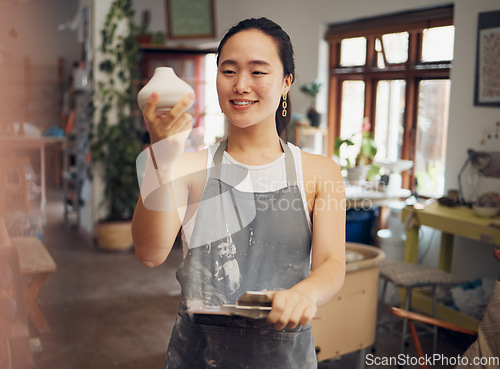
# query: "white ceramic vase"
167,85
357,173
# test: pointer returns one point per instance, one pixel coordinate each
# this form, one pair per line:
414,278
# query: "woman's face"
250,79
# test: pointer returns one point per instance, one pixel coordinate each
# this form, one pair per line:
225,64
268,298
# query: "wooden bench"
35,264
15,340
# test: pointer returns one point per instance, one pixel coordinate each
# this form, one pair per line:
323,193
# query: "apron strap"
291,174
216,171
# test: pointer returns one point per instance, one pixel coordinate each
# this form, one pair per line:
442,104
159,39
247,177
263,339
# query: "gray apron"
242,241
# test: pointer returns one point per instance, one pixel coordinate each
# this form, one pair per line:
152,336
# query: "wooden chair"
13,185
487,344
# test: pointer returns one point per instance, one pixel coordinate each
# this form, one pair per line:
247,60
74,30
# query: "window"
353,51
394,70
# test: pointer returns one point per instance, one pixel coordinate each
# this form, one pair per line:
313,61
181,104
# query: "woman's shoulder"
191,163
201,155
195,155
322,171
197,158
319,164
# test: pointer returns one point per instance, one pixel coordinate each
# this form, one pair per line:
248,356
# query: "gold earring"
284,105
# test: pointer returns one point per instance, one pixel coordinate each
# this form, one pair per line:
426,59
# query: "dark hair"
285,52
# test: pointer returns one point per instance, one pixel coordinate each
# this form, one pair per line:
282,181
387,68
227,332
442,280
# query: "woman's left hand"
290,308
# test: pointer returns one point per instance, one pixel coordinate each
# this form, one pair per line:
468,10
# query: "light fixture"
486,163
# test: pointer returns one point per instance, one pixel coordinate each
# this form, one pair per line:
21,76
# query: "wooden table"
38,143
35,264
365,197
452,221
459,221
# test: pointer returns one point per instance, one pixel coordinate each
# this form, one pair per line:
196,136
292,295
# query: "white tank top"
259,178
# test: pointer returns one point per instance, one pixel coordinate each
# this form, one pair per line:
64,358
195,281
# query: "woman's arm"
299,304
157,218
154,231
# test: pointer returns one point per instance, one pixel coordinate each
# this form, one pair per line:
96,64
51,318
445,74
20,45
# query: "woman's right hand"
174,121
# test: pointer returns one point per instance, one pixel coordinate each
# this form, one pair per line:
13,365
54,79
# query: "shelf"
74,163
70,175
71,199
311,131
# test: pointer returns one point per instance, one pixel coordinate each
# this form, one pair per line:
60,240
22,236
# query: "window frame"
412,71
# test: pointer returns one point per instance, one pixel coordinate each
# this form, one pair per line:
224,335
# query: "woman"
265,216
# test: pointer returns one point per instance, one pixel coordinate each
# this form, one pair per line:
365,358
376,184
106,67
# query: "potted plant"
312,89
363,167
143,35
115,138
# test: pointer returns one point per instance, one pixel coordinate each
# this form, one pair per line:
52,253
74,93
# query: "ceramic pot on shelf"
314,117
167,85
357,174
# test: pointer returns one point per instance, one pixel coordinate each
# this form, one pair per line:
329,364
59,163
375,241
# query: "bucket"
392,245
395,225
360,225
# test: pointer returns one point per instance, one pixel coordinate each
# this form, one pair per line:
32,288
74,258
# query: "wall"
30,29
36,23
467,121
465,130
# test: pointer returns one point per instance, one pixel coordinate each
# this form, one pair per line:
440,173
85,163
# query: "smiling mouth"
242,103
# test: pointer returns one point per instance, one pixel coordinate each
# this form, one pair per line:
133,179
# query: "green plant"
115,138
367,149
142,30
338,144
311,89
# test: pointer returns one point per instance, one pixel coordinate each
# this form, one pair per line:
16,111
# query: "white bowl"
485,212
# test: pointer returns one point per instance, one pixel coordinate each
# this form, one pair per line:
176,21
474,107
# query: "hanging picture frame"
190,19
487,76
